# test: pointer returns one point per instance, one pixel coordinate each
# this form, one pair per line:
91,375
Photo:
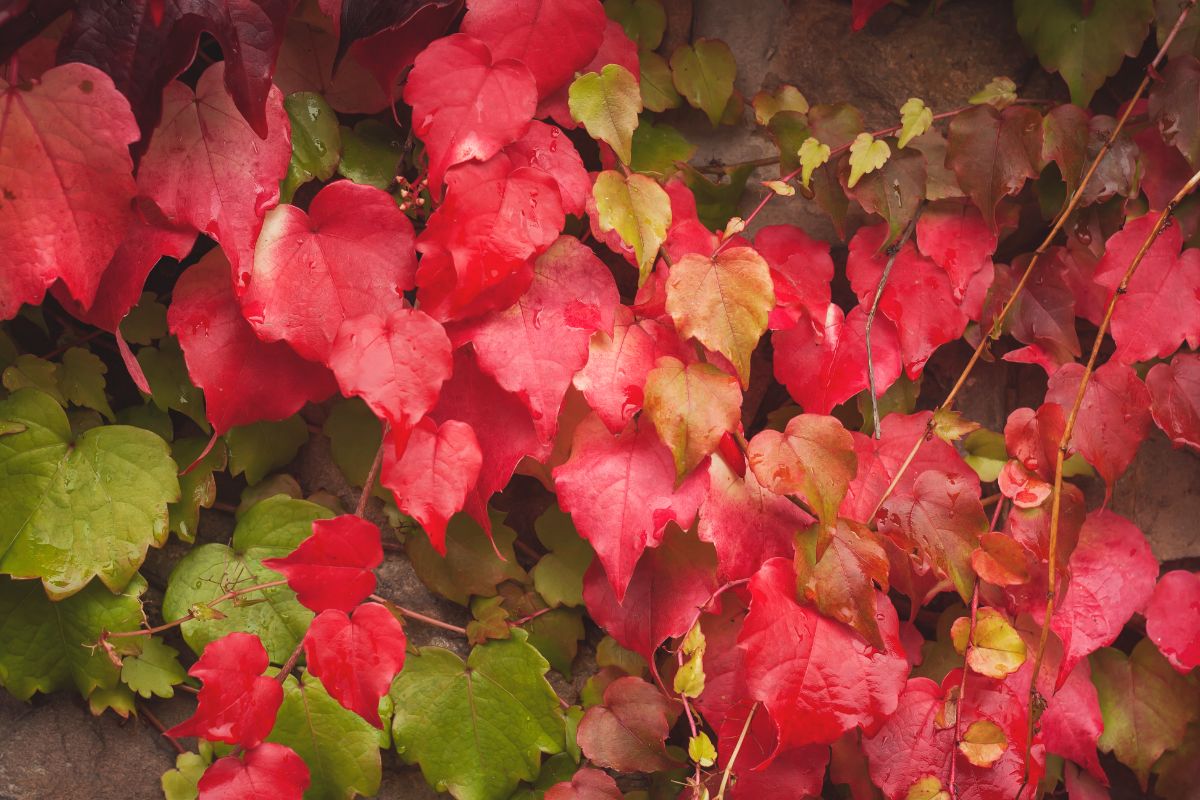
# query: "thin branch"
290,664
737,748
154,722
962,689
893,251
419,617
369,484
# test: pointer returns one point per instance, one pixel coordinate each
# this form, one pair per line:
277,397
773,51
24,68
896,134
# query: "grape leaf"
478,728
57,518
628,731
1175,399
691,406
45,644
813,458
703,72
267,772
1176,634
638,209
68,184
356,657
333,567
237,703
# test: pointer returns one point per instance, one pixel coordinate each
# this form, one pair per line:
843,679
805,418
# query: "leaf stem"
419,617
962,689
290,664
154,722
188,617
737,748
893,251
372,474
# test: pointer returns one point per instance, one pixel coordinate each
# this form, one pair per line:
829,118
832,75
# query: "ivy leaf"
207,168
153,670
267,772
1146,704
558,575
544,148
586,784
433,476
1176,635
1000,93
171,388
43,643
915,119
812,154
1084,46
785,98
350,255
657,86
924,751
333,567
273,528
703,72
30,372
956,238
638,209
813,457
644,21
671,581
1175,399
237,703
841,581
801,271
306,64
467,104
894,190
57,521
620,492
244,379
628,731
759,769
180,783
371,153
82,380
473,564
356,657
817,677
69,184
340,748
316,141
993,153
723,302
691,406
657,149
476,729
994,648
867,154
255,450
608,104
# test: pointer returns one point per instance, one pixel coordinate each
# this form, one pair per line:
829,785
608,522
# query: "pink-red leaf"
799,772
1173,618
955,236
1175,399
267,772
586,784
333,568
356,657
813,458
915,742
801,269
993,153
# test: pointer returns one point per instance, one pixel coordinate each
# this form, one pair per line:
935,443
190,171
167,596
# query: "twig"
893,251
369,484
1059,222
154,722
737,748
1064,442
166,626
417,616
529,617
290,664
962,688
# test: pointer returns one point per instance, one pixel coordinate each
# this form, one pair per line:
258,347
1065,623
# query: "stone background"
52,748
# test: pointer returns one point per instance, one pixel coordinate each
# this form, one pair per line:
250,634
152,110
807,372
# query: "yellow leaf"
812,155
701,750
608,103
927,788
638,209
1000,92
782,188
983,743
915,119
785,98
689,680
997,650
867,154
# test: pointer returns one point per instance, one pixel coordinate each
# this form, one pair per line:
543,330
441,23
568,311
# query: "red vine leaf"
1175,399
915,742
333,568
586,784
267,772
801,270
628,731
691,406
356,657
954,235
1072,721
842,580
993,153
812,458
1173,621
799,772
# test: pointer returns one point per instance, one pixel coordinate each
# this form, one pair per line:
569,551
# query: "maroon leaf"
993,153
1173,618
1175,399
267,772
628,731
333,568
388,36
1044,319
586,784
358,657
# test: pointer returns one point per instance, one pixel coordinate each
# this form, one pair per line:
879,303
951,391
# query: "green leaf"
271,529
986,454
470,566
558,576
278,484
656,85
31,372
716,203
1145,703
479,728
198,488
610,654
316,141
170,386
607,103
354,435
556,635
154,669
558,768
1084,46
703,73
867,154
148,417
701,750
182,782
658,148
371,153
45,645
340,748
915,119
638,209
785,98
146,321
256,450
644,21
117,699
75,508
82,380
1000,93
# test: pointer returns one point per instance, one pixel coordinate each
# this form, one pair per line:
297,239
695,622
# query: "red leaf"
955,236
534,347
915,742
68,183
628,731
1175,399
993,153
748,523
432,478
801,269
724,681
586,784
923,327
817,677
1114,417
1044,319
268,772
349,256
554,38
236,704
333,568
669,585
208,169
1161,308
1072,722
502,427
1173,618
356,657
466,103
615,48
397,364
824,369
142,54
813,457
544,147
799,772
244,379
1032,437
620,492
863,10
306,64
